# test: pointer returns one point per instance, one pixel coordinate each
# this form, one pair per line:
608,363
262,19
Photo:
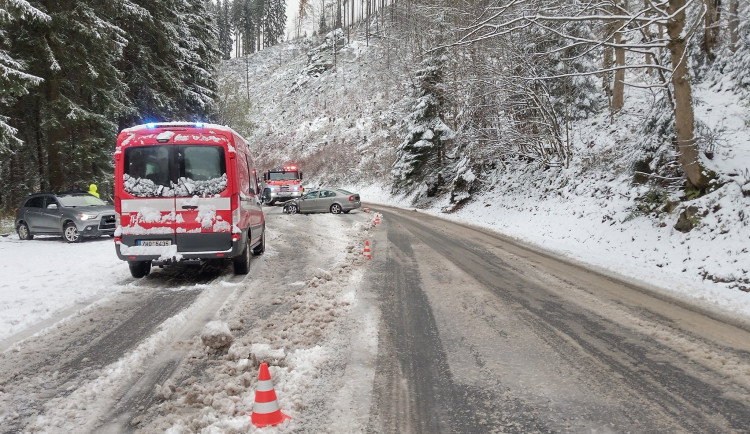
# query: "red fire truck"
282,184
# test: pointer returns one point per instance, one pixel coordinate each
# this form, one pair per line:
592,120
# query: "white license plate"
154,242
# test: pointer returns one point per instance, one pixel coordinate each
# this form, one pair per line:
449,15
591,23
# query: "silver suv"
70,215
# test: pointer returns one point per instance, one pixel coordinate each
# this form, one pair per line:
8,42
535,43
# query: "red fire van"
186,191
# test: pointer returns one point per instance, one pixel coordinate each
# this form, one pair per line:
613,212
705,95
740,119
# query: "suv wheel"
336,209
23,232
139,269
70,233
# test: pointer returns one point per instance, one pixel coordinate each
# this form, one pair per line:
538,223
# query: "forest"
490,82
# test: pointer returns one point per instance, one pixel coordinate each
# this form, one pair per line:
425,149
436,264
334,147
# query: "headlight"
85,217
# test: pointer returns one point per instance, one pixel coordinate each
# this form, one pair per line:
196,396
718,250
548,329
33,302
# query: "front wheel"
336,209
23,232
70,233
291,208
139,269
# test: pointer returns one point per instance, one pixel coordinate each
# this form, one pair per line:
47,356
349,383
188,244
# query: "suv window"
35,202
169,170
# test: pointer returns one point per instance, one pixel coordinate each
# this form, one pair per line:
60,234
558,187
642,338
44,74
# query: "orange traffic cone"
377,218
266,409
367,250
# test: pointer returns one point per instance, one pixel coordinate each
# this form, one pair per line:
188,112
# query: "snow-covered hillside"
343,118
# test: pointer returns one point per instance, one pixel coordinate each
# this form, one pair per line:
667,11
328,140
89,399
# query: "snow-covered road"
136,354
447,328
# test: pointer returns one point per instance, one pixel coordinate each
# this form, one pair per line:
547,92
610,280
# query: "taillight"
351,198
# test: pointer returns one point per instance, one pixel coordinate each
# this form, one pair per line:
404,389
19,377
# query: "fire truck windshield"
282,176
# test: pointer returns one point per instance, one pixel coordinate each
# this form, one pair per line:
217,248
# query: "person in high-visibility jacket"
92,190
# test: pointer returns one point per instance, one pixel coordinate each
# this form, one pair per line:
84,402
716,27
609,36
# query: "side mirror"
300,175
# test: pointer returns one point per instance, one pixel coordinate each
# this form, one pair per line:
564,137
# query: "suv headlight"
85,217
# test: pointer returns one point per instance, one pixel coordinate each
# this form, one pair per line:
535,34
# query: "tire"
292,208
241,263
139,269
70,233
260,248
336,209
23,232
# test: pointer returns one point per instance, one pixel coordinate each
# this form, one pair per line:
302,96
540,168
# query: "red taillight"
351,198
118,240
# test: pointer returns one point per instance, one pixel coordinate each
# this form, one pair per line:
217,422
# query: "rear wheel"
336,209
260,248
23,232
139,269
70,233
241,263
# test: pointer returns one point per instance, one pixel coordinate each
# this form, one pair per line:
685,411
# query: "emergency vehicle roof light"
199,125
150,125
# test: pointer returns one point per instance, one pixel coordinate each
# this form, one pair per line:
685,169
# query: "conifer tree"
421,156
199,56
15,81
275,22
69,119
224,25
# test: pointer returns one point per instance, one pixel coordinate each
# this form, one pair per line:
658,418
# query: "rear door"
148,204
202,198
33,213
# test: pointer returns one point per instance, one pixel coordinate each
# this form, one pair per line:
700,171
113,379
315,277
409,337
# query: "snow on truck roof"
155,125
164,132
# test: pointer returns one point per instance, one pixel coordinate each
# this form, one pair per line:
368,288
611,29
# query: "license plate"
154,242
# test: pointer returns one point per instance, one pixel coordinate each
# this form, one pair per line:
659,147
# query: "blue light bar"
199,125
150,125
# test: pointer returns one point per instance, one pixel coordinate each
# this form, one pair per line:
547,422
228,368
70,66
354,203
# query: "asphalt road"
471,333
479,334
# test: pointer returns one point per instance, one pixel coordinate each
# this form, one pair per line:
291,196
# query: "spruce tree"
224,25
69,128
15,81
421,156
275,21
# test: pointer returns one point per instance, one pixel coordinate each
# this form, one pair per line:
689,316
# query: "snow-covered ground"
591,219
584,213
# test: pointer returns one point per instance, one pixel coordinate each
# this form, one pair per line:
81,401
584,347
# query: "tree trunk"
683,98
734,24
618,88
711,33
